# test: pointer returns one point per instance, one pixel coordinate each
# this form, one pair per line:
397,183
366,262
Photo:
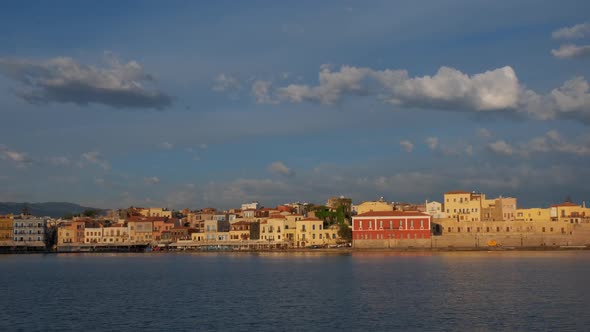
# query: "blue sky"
194,104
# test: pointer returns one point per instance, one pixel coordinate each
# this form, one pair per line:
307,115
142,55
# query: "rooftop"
391,214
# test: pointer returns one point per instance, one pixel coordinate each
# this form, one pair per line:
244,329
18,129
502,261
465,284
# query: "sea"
297,291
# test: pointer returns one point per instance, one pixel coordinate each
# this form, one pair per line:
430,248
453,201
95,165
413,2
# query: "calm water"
296,291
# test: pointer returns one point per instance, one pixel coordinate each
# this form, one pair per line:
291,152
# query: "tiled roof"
391,214
565,204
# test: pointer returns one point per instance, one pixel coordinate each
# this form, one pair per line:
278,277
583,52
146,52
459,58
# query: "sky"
194,104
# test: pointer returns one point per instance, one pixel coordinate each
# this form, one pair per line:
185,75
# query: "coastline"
321,250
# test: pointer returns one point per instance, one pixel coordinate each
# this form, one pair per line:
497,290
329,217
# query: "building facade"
6,228
384,225
29,229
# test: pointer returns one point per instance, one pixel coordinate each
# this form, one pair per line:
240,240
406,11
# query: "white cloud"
203,146
278,167
501,147
94,158
577,31
99,181
152,180
407,145
571,51
166,145
20,158
432,142
261,91
65,80
332,86
224,82
483,132
449,89
551,142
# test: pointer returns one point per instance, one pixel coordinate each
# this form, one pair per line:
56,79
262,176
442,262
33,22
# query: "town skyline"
197,105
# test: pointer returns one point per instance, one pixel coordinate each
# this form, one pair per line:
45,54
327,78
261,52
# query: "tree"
345,232
90,213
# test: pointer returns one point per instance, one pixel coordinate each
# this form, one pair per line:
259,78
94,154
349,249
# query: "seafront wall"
453,234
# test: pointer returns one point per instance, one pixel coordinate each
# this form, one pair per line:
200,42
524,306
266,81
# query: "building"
155,212
499,209
435,209
115,234
250,206
177,233
570,212
216,230
533,214
374,206
463,205
140,229
6,228
71,232
240,231
92,232
311,232
385,225
334,203
29,230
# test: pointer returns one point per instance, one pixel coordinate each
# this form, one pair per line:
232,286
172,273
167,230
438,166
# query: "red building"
384,225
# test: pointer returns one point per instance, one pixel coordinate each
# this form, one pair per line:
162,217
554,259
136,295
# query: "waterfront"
270,291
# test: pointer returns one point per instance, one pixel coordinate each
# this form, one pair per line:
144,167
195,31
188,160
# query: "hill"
48,209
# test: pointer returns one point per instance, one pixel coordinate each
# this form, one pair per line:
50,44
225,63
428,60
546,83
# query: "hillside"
48,209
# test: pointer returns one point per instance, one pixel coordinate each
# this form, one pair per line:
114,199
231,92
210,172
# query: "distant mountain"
49,209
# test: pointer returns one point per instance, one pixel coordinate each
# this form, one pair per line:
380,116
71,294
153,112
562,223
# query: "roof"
241,222
565,204
457,192
392,214
309,219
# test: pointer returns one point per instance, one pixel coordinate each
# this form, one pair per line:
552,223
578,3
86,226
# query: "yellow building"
115,234
311,231
240,231
463,205
570,212
6,229
373,206
273,228
533,214
499,209
93,233
155,212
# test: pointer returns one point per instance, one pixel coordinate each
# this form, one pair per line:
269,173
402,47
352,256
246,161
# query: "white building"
250,206
435,209
29,229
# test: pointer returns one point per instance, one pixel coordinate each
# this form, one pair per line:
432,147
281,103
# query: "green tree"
345,232
90,213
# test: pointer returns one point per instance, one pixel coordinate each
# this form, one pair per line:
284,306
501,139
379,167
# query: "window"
313,227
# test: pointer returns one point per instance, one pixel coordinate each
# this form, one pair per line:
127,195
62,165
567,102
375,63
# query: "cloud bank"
65,80
577,31
496,90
